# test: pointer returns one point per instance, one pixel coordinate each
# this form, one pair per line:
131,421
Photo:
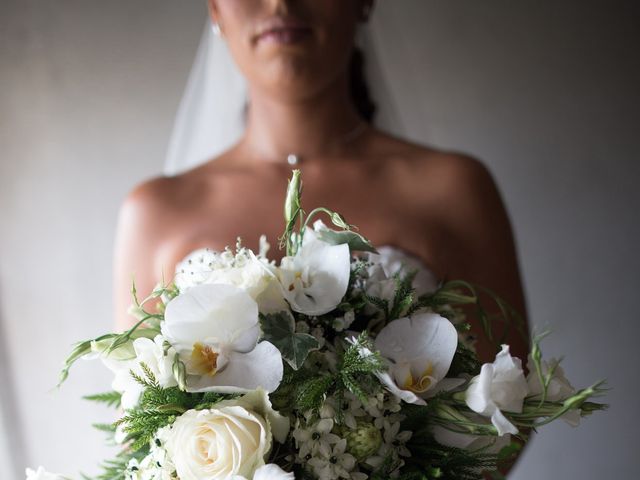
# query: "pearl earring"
216,29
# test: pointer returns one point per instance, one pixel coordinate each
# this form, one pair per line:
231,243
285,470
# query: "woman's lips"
284,35
282,30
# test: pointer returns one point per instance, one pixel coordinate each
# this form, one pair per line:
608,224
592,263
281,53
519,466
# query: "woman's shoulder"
156,204
166,193
151,197
425,170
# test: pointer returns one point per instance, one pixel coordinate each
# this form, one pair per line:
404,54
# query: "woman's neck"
315,126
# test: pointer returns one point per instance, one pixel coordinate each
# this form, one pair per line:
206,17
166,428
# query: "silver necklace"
294,159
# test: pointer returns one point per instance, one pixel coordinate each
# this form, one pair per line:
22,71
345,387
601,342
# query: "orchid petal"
444,385
327,268
425,336
212,311
405,395
420,350
260,368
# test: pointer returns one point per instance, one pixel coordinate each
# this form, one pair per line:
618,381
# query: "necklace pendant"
293,159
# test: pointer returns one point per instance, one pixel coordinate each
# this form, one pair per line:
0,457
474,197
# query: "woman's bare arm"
481,246
137,241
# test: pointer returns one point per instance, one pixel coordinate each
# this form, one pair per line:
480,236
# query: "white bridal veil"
210,115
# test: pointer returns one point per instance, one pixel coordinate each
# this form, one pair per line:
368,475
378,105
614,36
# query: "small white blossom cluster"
367,435
157,465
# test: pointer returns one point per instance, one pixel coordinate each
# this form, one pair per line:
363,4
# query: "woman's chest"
248,208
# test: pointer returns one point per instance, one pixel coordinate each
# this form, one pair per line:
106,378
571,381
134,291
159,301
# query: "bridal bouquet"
341,362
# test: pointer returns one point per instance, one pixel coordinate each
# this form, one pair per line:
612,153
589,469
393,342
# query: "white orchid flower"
215,330
420,350
315,280
500,386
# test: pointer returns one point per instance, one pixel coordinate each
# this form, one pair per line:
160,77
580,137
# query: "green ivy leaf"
279,329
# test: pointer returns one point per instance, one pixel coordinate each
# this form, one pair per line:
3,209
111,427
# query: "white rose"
500,386
42,474
230,440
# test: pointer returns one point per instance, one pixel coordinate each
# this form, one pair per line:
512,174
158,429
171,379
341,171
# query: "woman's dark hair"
359,88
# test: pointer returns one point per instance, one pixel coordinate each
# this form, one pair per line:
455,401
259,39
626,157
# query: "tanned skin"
442,207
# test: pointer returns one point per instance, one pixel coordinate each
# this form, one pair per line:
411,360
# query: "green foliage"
117,344
355,241
539,411
301,473
403,302
109,429
404,295
354,372
380,303
110,399
312,392
160,407
464,361
179,370
384,471
80,349
104,427
358,366
293,213
435,461
115,469
279,329
120,344
458,293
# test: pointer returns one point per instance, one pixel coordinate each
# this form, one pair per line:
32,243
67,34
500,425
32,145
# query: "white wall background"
545,92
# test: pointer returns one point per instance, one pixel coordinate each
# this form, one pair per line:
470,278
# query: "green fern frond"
110,399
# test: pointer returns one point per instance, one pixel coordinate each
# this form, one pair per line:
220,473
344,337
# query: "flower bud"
363,441
292,200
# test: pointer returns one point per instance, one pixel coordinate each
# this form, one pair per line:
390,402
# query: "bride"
306,111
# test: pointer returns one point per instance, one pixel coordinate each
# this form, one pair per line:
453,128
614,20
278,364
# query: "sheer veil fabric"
210,117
